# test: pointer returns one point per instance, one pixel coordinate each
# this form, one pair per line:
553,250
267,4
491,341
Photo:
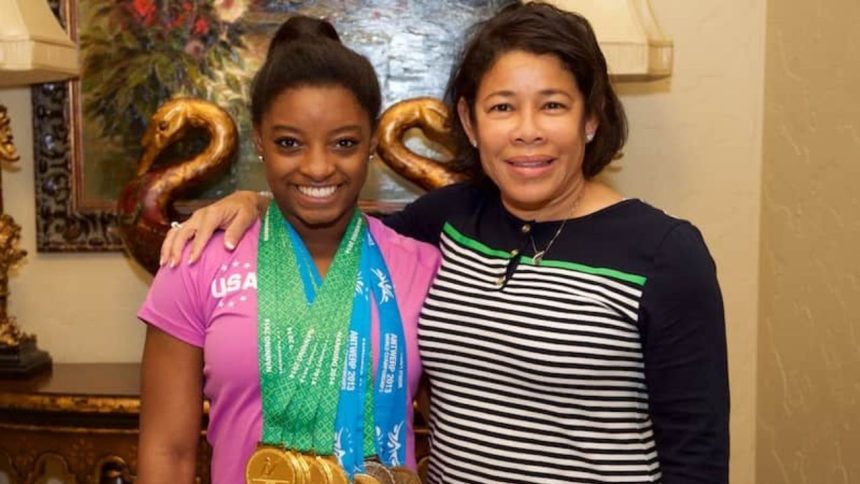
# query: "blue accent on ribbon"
389,393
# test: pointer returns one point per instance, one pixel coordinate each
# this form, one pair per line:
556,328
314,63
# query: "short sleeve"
174,305
684,346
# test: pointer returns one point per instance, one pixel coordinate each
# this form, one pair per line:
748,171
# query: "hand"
234,213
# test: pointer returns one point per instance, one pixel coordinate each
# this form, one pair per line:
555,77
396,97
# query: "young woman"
571,334
303,338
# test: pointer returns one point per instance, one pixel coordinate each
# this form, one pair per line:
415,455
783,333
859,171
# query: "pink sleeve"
175,303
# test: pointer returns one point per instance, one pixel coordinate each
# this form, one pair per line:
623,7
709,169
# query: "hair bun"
303,28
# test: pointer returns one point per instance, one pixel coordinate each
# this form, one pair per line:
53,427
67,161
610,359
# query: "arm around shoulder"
684,345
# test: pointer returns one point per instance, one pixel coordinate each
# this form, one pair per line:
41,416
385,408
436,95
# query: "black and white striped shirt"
604,363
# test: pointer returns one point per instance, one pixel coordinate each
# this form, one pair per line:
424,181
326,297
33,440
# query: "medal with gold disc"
402,475
302,325
271,465
376,473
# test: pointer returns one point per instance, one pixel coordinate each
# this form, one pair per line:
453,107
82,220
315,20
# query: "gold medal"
270,465
364,479
338,475
378,472
318,472
402,475
303,472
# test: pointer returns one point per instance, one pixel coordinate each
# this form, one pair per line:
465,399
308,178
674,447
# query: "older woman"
571,334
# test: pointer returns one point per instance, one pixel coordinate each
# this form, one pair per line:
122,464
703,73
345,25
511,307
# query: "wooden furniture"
75,425
78,425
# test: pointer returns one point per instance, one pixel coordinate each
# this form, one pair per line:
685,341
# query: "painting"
139,53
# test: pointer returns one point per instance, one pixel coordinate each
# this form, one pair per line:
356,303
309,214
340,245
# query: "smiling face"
530,126
315,143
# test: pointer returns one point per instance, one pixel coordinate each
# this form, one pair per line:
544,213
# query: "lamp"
629,36
33,49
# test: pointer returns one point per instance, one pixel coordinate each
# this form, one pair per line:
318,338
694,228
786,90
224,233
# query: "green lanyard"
301,347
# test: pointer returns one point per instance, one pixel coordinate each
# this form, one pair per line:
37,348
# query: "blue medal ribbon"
389,386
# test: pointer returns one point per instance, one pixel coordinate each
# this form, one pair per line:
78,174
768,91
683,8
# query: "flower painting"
137,54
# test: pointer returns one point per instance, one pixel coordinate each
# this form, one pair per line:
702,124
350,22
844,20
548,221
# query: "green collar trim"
473,244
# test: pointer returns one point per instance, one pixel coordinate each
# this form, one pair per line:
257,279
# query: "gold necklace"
539,254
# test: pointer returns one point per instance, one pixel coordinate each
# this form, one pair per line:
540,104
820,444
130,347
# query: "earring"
589,137
260,157
474,143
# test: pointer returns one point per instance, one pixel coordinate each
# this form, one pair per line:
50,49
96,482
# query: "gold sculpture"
7,147
146,204
430,115
18,353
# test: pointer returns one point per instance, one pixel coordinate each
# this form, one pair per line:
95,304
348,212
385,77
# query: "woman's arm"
234,213
684,346
422,220
171,409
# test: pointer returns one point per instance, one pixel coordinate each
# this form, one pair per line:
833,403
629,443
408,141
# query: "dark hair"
307,52
539,28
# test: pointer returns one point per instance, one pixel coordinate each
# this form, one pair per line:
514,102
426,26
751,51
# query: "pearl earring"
474,143
589,137
260,157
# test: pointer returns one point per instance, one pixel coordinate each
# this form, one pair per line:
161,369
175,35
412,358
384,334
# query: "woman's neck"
322,242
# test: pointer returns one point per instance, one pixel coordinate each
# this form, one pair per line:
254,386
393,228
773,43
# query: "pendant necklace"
539,254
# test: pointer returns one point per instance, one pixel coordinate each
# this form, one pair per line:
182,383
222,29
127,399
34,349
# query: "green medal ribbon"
301,346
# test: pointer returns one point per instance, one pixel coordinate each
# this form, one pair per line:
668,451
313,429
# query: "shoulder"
669,235
215,253
446,202
400,249
648,227
424,218
214,260
457,192
680,263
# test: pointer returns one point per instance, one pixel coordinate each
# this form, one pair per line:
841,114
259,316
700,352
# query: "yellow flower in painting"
230,10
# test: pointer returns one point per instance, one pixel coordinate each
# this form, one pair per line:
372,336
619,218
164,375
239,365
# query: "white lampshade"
33,46
629,36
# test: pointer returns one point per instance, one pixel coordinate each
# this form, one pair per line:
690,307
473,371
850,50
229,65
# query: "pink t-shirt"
213,305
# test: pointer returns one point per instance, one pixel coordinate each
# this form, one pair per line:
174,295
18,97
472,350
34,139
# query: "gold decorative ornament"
431,116
19,355
145,206
7,147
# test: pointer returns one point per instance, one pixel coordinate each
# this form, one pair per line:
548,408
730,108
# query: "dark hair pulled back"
539,28
308,52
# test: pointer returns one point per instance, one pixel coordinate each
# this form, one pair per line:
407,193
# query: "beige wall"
81,306
809,353
695,151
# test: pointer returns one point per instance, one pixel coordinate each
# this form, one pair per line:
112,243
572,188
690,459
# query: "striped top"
604,363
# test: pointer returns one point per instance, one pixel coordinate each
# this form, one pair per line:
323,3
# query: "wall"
80,306
809,350
695,151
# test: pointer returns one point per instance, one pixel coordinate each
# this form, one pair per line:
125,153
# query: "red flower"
144,8
201,27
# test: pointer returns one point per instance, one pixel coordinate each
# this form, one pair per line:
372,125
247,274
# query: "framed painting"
137,54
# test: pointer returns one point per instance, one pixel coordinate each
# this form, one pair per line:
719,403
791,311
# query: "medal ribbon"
301,344
357,435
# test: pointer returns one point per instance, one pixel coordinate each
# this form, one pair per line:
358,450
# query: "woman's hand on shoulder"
234,213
